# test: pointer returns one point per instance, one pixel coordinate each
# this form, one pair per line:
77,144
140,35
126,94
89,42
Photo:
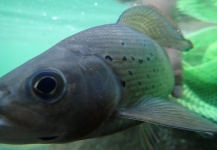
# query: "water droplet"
44,14
71,28
95,4
54,18
50,28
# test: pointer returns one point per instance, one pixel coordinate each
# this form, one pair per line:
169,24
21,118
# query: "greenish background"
29,27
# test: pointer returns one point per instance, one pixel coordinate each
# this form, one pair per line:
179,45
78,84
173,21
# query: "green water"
29,27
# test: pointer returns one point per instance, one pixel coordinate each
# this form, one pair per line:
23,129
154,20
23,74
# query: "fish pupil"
46,85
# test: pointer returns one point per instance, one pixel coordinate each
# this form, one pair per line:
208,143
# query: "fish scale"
121,44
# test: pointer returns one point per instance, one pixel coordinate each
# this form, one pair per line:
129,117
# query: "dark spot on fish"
155,58
124,58
145,45
146,88
122,43
153,86
154,70
148,58
123,83
140,61
130,73
132,58
108,57
139,83
157,70
151,54
148,76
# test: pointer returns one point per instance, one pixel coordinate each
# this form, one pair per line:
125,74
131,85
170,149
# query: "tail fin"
153,23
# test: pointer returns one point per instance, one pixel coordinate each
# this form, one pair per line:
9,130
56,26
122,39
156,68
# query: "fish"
97,82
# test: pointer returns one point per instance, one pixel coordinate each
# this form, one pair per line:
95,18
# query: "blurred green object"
203,41
200,69
204,10
200,63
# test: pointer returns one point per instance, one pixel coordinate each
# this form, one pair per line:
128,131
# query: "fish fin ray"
149,136
153,23
167,113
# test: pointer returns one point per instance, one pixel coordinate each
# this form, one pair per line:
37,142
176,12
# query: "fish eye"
47,84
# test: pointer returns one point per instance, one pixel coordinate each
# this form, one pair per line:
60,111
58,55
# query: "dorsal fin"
153,23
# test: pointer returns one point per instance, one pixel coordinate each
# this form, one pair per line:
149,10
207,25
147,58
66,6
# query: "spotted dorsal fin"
153,23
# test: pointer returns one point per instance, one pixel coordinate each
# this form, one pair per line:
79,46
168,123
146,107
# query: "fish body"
97,82
140,64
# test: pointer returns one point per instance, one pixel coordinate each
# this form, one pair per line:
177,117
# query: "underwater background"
29,27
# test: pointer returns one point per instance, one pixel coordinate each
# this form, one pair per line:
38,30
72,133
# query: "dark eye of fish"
47,84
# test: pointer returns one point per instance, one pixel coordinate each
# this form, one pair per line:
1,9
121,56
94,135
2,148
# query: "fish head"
62,95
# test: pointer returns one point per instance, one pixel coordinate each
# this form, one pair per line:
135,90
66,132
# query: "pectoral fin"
167,113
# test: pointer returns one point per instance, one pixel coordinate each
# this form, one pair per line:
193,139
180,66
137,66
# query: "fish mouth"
49,138
6,127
